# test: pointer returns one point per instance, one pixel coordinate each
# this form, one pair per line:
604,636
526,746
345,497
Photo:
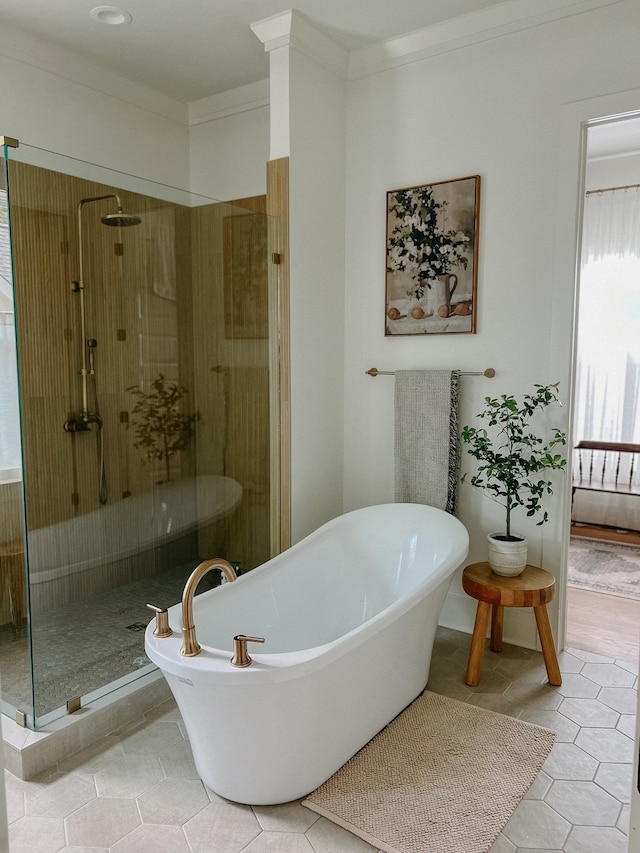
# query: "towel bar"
489,372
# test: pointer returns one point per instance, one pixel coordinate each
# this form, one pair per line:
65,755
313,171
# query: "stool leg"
548,647
477,643
497,614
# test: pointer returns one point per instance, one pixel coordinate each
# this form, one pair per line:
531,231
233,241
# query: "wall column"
308,118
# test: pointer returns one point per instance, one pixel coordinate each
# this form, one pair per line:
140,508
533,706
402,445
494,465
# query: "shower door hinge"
73,705
21,719
275,258
9,141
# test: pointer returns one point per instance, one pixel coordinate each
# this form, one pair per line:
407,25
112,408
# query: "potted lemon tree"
513,464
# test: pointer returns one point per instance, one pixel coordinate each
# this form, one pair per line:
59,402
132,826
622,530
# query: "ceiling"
190,49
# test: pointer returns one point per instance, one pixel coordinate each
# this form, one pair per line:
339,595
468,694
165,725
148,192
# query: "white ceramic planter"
507,558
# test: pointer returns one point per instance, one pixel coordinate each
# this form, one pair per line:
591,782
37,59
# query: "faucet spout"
190,645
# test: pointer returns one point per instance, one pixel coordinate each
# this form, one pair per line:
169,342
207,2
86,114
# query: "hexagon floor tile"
137,790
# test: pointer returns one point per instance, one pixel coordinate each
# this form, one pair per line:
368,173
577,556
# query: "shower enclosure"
145,320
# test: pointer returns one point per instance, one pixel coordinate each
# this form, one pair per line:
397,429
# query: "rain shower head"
114,219
121,219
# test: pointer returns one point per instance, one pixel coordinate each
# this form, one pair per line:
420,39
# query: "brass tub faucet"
190,646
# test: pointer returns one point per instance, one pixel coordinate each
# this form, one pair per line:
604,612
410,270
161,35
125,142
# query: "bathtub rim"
212,665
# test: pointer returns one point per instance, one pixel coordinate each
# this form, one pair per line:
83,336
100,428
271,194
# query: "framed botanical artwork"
432,258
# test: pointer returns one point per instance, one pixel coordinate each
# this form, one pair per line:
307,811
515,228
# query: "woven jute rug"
443,777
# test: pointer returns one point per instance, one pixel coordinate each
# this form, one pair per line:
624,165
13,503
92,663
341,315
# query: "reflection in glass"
142,332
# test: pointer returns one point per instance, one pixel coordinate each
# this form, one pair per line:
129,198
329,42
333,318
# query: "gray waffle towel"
427,458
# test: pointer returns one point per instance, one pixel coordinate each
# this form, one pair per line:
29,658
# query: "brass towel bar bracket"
489,372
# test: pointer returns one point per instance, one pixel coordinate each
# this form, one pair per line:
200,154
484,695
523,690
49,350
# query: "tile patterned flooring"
137,790
70,656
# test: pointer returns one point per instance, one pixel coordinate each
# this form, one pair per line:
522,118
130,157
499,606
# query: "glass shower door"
143,324
16,689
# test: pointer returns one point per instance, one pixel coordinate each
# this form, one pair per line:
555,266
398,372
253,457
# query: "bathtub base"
349,615
271,743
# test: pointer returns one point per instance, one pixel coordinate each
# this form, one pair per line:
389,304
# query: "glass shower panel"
17,682
143,343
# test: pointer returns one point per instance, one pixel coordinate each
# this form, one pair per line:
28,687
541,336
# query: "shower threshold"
27,753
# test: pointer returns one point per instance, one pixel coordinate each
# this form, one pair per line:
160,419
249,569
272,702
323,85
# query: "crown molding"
473,28
291,29
27,50
234,101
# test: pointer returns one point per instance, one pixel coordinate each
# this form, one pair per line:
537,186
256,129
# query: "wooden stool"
533,588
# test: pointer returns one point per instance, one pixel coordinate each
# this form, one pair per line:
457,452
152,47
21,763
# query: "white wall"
54,100
51,111
317,241
229,142
499,109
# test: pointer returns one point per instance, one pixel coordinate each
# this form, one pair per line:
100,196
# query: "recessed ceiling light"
110,15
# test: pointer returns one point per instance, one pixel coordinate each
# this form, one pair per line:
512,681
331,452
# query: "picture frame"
432,258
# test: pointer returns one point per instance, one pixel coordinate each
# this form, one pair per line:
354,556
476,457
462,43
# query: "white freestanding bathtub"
348,615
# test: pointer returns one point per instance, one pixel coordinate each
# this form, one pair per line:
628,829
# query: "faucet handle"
162,628
240,656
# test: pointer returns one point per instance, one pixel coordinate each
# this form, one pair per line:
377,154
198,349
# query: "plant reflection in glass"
160,428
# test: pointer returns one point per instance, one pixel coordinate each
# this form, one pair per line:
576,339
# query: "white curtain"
608,370
608,377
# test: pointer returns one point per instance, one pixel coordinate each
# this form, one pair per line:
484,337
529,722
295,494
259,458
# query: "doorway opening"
603,595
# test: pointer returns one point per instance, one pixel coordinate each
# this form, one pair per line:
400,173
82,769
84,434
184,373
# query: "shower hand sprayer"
87,419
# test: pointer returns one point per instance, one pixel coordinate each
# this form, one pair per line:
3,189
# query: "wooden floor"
601,623
625,537
606,624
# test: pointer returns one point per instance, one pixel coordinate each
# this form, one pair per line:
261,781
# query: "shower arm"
80,289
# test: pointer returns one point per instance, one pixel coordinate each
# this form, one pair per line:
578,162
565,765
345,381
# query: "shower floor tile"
84,646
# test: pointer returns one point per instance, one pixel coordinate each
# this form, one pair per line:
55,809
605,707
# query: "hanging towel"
161,252
163,263
427,458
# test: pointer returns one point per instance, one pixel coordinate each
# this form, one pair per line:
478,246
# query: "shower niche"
145,320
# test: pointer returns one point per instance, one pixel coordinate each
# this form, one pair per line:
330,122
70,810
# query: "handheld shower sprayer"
92,343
